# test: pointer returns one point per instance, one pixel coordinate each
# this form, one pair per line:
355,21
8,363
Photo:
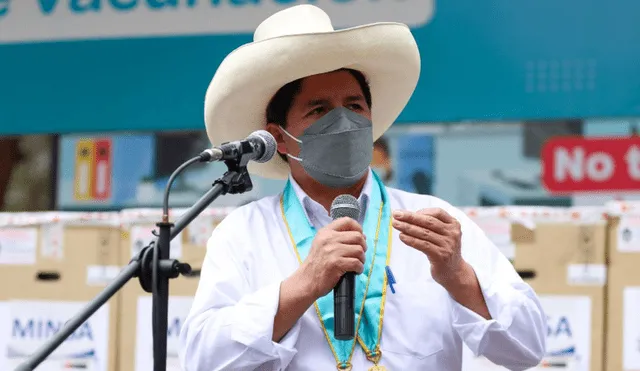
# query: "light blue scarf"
371,283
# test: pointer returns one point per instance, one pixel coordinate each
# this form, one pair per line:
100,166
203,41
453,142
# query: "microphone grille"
345,205
270,145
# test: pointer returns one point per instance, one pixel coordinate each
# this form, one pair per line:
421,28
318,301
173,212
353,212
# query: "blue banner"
498,60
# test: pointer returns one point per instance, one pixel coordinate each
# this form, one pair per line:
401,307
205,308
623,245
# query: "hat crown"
297,20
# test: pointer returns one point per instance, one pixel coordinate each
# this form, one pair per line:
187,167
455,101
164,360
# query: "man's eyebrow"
354,98
318,102
325,102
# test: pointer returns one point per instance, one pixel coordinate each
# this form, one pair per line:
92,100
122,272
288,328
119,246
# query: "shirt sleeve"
515,336
230,325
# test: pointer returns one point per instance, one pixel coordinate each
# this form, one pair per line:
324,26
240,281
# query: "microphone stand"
152,265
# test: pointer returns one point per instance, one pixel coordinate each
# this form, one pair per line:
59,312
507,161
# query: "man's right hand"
338,248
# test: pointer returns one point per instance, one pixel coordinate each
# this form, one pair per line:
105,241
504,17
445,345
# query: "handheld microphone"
344,291
259,145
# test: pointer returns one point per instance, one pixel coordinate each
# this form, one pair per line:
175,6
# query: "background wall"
144,68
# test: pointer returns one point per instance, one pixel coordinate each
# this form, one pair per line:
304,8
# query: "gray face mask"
337,149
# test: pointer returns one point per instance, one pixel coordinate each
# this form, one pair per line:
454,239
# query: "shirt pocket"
415,320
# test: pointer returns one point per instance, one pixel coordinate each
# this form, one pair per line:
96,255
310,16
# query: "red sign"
575,164
92,179
102,169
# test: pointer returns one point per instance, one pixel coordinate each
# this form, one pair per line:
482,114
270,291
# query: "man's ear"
274,129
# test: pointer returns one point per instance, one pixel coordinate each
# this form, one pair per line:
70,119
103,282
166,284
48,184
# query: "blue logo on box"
561,329
174,326
40,329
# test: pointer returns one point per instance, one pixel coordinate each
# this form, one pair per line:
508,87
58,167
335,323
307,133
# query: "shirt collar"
314,211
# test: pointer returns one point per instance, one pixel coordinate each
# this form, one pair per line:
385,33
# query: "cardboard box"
496,223
560,252
136,341
51,265
623,310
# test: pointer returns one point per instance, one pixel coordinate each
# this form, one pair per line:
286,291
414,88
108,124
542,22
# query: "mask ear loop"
294,138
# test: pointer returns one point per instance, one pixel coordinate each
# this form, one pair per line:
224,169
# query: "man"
265,296
381,161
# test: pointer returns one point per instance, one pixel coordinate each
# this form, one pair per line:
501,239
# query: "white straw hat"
298,42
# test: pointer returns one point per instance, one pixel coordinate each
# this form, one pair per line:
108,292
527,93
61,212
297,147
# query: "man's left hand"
438,235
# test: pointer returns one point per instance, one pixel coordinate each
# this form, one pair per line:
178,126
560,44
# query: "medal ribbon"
370,288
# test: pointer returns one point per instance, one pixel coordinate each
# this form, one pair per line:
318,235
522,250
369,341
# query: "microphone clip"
236,179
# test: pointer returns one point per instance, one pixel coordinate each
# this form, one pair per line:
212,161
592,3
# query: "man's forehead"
339,76
329,86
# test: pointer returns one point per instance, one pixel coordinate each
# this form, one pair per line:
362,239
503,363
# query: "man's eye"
316,111
355,107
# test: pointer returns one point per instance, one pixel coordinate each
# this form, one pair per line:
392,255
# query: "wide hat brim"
247,79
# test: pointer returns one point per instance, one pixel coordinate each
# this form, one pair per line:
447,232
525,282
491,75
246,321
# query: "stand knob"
184,269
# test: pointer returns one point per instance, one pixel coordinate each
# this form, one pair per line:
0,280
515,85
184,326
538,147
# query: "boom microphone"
344,292
260,145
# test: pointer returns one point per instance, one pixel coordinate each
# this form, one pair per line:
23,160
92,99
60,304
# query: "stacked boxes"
561,253
136,341
580,261
51,265
623,309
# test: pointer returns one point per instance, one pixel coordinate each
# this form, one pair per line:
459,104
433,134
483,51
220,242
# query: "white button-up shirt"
249,254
